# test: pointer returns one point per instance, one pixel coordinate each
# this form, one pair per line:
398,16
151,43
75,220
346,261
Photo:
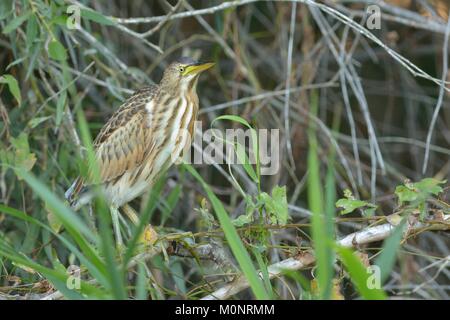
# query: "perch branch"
368,235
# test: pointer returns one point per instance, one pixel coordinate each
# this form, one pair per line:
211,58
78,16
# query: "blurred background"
351,85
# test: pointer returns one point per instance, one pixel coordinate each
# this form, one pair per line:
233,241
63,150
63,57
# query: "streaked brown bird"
143,138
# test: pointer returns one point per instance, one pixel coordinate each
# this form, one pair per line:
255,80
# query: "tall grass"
357,119
321,220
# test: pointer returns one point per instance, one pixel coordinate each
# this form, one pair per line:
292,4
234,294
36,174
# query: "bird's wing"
124,148
122,143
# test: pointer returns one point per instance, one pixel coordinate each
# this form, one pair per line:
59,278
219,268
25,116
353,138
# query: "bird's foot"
149,236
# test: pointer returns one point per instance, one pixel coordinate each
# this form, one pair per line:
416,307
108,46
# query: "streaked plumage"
145,135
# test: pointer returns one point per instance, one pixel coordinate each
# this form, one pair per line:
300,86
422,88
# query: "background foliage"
354,124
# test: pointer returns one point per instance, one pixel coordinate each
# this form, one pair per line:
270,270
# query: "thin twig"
288,84
440,99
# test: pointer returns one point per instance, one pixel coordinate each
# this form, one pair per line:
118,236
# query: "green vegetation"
299,233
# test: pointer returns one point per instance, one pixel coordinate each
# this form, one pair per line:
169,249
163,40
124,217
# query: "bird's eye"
181,69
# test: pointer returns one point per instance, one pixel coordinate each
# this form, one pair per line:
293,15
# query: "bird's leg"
123,221
115,221
131,213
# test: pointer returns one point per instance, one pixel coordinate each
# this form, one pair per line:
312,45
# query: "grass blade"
321,238
386,259
96,267
115,274
359,275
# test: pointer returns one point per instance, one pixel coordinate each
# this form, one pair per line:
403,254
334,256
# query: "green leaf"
430,185
16,22
233,118
280,205
369,212
405,194
32,30
276,205
13,86
245,123
419,191
57,51
60,20
248,216
23,158
359,275
5,9
53,221
245,161
242,220
350,205
96,17
240,152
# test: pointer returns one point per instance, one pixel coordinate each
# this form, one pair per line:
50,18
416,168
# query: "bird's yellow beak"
197,68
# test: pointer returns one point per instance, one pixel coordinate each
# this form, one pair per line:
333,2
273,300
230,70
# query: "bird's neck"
190,87
183,89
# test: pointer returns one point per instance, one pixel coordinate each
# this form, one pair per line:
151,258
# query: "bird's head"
183,73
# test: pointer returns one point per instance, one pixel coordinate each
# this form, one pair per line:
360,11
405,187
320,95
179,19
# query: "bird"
143,138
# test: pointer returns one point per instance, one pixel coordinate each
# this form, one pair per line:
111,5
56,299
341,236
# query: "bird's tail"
75,195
